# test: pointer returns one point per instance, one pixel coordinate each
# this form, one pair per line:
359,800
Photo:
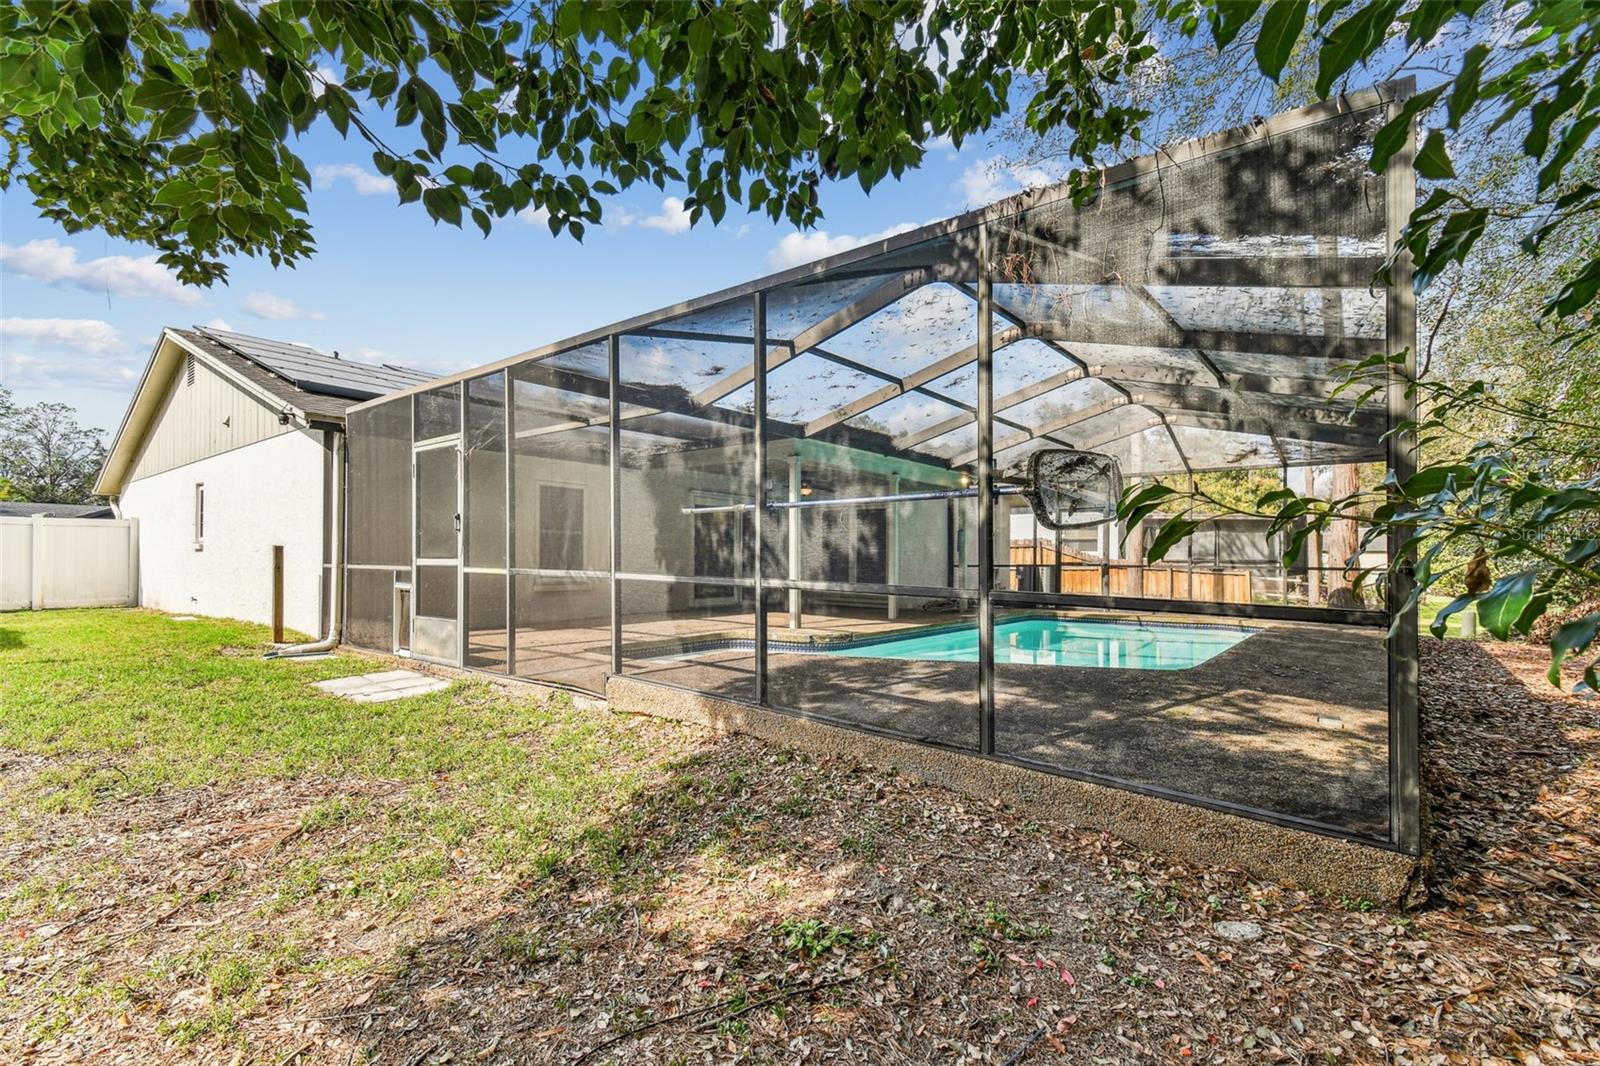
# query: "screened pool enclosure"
878,490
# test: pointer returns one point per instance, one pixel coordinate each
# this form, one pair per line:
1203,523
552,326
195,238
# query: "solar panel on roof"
313,371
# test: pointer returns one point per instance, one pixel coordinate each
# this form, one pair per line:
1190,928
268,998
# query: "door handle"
458,522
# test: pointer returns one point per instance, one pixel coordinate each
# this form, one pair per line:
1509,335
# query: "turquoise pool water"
1063,642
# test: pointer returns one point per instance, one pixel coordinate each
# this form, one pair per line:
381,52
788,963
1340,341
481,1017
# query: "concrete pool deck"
1293,720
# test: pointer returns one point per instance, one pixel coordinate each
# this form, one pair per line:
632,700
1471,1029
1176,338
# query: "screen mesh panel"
379,501
1188,322
438,412
1254,261
483,461
369,609
1290,718
561,518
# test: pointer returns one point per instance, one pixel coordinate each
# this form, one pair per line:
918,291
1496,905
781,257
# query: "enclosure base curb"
1311,861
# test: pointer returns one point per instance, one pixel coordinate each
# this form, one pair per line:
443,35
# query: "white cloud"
219,323
796,248
672,218
379,357
277,308
364,181
372,356
24,370
54,263
986,180
89,335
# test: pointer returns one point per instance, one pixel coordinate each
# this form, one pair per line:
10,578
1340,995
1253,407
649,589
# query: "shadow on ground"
752,903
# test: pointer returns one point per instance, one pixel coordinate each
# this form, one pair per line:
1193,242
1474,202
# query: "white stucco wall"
259,495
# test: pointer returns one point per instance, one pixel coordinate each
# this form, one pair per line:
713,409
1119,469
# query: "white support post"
795,483
893,536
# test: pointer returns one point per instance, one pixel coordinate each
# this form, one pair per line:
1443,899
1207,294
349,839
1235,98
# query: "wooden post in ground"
277,594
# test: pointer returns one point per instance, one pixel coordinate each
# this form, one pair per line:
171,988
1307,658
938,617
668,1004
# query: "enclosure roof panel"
1212,288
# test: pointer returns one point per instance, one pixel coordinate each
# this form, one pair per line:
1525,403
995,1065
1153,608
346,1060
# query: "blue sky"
79,314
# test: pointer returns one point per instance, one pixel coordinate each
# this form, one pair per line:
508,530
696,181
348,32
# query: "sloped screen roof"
1190,316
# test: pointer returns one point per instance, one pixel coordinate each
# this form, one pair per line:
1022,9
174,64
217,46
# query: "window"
199,515
560,527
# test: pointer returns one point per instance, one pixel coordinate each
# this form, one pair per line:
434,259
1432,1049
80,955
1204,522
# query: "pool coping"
1323,864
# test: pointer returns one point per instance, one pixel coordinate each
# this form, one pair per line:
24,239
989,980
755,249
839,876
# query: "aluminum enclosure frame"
975,229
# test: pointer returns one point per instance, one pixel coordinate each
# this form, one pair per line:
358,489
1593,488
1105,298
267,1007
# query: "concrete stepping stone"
382,687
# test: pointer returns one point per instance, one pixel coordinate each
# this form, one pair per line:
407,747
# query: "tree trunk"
1133,552
1343,541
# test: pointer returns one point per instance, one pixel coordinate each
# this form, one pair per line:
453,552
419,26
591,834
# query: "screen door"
436,577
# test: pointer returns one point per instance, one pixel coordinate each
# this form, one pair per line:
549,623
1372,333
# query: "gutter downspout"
336,573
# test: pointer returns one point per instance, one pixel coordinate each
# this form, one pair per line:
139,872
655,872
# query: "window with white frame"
199,515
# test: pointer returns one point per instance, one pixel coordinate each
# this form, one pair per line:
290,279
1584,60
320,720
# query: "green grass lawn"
407,808
205,859
130,702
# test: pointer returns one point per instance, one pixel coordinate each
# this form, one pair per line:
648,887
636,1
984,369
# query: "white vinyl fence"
68,562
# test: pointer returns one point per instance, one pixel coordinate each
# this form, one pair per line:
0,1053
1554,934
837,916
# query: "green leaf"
1578,292
1433,162
1229,17
1353,41
1576,136
175,193
1167,537
1433,479
102,62
1571,638
1439,624
1468,84
172,122
110,17
1136,507
157,94
1280,29
701,34
1501,607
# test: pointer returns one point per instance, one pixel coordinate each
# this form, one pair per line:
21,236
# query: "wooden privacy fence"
1158,582
68,562
1180,582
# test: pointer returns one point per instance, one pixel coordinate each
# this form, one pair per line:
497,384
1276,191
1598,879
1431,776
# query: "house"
226,456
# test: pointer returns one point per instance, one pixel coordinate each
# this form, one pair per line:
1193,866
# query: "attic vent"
188,371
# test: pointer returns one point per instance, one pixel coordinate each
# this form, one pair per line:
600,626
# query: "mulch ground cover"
756,905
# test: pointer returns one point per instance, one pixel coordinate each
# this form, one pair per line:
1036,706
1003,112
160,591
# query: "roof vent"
188,370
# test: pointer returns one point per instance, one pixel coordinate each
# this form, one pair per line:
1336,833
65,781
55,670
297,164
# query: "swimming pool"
1062,642
1032,641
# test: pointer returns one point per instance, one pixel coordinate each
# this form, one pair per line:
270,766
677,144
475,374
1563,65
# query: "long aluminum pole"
507,417
1405,803
614,466
759,309
851,501
796,487
985,497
